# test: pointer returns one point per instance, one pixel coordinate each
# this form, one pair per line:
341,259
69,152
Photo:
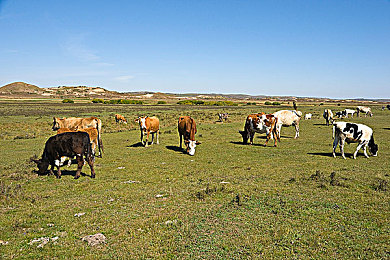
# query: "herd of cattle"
81,137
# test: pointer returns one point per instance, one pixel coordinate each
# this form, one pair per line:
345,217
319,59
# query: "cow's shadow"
176,149
247,144
338,154
63,173
139,144
322,154
319,124
387,128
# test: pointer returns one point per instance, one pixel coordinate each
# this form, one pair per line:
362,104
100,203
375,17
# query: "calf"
365,110
120,119
340,114
347,112
328,115
288,118
68,144
186,127
308,116
353,133
148,125
223,116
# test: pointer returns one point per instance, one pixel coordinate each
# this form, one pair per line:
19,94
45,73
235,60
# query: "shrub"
161,102
97,100
267,103
123,101
67,100
207,103
276,103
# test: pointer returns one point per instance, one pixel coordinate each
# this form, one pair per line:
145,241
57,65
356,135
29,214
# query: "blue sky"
337,49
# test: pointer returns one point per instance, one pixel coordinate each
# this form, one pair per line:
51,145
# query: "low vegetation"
229,201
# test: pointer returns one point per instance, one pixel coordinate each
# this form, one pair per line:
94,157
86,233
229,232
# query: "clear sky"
337,49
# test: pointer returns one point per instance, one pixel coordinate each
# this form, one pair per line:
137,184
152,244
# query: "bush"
207,103
267,103
161,102
67,100
276,103
97,100
123,101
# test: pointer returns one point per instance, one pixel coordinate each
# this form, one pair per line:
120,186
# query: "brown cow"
187,128
77,123
148,125
121,119
93,136
260,123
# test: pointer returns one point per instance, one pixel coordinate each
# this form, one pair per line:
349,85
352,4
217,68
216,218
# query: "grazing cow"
288,118
223,116
78,123
308,116
120,119
353,133
328,115
68,144
186,127
365,110
148,125
340,114
260,123
388,107
347,112
93,136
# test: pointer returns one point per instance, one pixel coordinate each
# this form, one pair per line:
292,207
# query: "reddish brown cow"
120,119
148,125
187,128
260,123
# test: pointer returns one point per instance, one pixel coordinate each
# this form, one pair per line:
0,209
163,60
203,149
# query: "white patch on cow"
58,163
191,147
143,123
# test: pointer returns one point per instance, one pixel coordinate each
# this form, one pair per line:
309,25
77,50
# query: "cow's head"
42,165
191,146
56,124
373,148
142,122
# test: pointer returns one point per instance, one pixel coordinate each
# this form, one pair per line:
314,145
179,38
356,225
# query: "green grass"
278,202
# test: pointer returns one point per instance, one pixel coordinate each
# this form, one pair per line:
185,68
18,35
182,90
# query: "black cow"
388,107
68,144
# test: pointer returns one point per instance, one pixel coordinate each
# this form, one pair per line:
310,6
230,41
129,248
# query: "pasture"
228,201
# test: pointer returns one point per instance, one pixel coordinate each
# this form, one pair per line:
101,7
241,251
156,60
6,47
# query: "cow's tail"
99,130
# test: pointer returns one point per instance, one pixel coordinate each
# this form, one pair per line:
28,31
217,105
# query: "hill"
20,87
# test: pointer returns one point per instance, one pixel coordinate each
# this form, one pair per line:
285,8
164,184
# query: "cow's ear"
54,118
198,143
136,120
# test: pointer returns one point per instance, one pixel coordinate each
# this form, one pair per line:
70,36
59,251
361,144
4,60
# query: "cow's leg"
360,145
147,139
279,127
153,138
90,161
251,135
181,140
142,137
157,134
335,142
342,142
58,172
365,149
80,163
51,170
296,131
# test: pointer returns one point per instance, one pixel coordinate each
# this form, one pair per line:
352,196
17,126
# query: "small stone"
121,167
50,225
224,182
130,181
170,222
79,214
159,196
3,243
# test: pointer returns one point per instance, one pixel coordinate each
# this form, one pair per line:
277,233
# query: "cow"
68,144
347,112
260,123
77,123
365,110
288,118
120,119
148,125
328,115
93,136
388,107
308,116
340,114
223,116
186,127
353,133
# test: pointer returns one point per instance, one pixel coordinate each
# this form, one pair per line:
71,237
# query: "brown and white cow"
288,118
260,123
78,123
328,115
186,127
120,119
148,125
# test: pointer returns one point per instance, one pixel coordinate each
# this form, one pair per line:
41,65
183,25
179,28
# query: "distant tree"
67,100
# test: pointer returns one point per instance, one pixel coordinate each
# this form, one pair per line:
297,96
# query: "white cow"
288,118
353,133
328,115
349,112
365,110
308,116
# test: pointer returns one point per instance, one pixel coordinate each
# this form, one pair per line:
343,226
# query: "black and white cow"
353,133
328,115
223,116
340,114
348,111
68,144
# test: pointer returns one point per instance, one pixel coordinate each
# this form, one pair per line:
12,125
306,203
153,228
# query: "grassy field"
228,201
